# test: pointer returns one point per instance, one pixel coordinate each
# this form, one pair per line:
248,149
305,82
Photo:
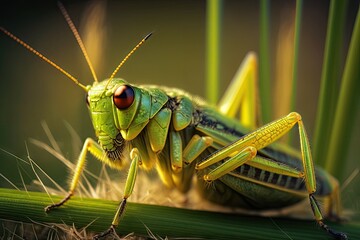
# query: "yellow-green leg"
94,148
89,146
334,202
245,149
241,95
129,187
319,218
181,159
234,162
263,137
176,157
195,147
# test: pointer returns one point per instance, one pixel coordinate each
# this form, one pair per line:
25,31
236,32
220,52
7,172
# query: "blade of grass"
213,34
298,13
329,81
347,107
283,67
162,221
264,62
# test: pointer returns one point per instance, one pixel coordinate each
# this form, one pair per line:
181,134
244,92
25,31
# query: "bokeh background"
31,91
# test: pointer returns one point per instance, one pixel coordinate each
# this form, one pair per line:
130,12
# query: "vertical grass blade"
298,13
283,67
213,34
264,62
329,80
346,108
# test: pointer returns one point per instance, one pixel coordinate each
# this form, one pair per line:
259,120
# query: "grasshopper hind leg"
333,203
319,218
244,150
241,97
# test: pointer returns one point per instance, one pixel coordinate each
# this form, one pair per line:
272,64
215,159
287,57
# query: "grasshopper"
182,136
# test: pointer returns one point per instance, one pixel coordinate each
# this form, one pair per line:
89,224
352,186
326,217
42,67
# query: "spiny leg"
241,94
95,149
231,164
319,218
310,182
261,138
129,187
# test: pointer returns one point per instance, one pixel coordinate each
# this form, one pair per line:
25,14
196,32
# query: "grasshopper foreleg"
94,148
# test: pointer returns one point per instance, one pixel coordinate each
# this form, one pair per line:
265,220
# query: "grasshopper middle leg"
129,187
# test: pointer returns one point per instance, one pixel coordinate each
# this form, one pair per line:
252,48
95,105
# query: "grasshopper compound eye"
123,97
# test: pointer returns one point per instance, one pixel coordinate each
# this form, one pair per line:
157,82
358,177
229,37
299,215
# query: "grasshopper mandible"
181,136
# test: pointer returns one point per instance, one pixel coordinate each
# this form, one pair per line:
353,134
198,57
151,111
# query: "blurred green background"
32,91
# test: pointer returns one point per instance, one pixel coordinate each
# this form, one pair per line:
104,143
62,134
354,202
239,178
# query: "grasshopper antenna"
127,57
27,46
129,54
78,38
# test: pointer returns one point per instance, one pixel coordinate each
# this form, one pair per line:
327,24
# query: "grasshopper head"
120,111
113,103
103,99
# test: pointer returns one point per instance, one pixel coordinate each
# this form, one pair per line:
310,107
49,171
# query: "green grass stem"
213,37
264,62
347,107
298,14
28,207
329,81
297,31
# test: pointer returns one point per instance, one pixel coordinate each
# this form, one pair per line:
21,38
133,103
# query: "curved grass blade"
347,107
329,81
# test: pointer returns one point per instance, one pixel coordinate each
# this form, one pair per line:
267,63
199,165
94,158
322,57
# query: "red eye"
123,97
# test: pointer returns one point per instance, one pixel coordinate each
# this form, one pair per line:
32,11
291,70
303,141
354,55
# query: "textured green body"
161,122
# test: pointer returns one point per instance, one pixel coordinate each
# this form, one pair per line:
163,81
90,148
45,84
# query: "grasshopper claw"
111,231
55,205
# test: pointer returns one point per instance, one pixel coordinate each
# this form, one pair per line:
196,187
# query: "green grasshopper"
181,136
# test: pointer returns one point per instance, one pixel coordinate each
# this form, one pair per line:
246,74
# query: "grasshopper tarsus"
334,234
56,205
109,231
